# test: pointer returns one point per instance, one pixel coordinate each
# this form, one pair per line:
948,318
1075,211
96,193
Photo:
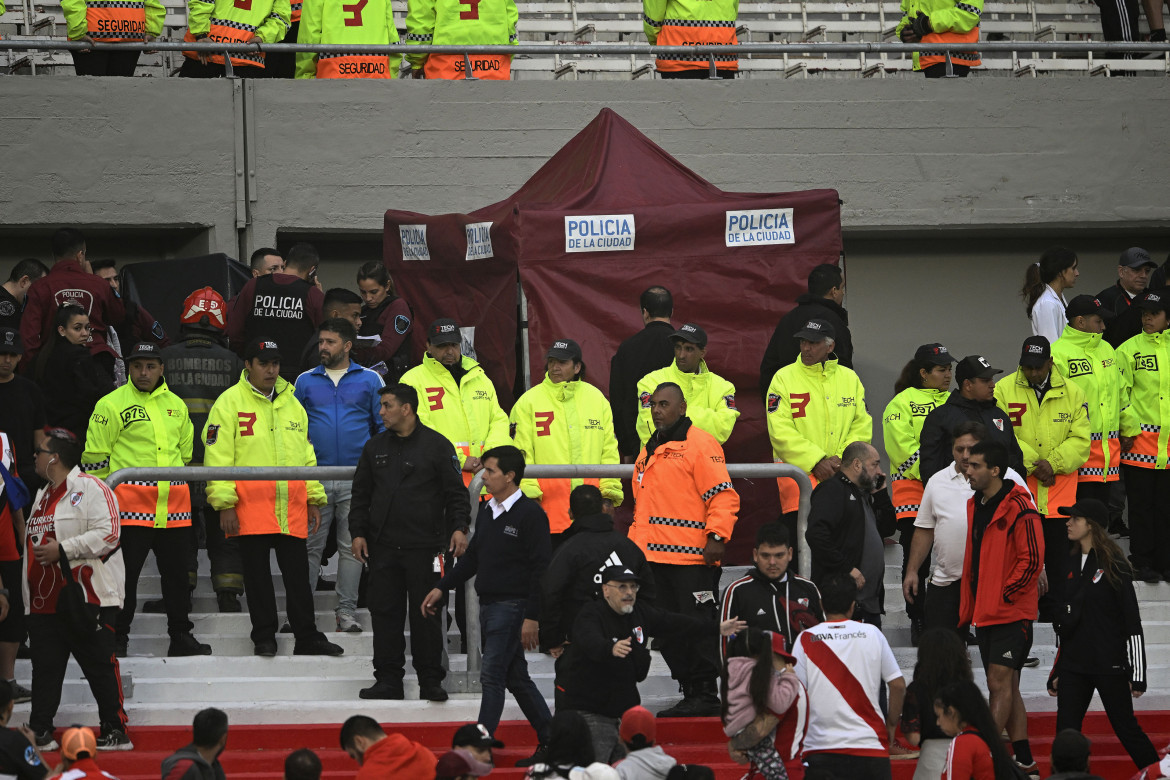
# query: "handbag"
79,617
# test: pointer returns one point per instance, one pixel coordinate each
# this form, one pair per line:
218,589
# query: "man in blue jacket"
342,402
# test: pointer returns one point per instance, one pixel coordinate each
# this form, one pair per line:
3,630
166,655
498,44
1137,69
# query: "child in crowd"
757,682
942,658
977,752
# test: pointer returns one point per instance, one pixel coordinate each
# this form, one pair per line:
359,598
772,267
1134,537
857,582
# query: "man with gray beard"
609,654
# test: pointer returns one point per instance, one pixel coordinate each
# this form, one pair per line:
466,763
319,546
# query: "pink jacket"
740,711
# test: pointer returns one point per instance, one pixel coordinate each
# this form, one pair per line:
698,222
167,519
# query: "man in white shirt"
942,518
843,664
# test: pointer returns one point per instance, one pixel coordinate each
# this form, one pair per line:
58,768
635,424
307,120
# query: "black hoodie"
783,350
935,440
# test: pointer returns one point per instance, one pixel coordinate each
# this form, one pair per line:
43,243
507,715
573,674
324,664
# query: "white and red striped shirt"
842,664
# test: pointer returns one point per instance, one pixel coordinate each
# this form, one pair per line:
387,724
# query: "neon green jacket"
816,412
1145,394
130,428
953,16
710,400
469,415
902,429
450,22
366,21
569,422
654,12
76,17
270,18
1056,430
1091,364
244,428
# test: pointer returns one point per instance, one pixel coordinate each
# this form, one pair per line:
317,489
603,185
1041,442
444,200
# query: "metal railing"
468,681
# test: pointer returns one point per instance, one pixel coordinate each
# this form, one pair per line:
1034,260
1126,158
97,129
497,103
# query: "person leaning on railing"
941,21
233,21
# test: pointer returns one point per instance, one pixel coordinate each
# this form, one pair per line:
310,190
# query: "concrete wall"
949,189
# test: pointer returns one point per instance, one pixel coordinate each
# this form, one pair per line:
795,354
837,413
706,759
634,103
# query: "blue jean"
504,666
349,569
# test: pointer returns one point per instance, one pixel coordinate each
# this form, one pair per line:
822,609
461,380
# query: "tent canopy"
609,215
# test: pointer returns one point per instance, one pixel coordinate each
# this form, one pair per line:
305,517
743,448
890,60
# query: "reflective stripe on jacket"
814,412
1090,363
237,21
710,400
1055,430
902,431
114,21
450,22
682,493
469,414
953,21
244,428
130,428
691,22
566,422
350,23
1145,399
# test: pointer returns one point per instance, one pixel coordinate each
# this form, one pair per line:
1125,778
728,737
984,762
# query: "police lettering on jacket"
290,307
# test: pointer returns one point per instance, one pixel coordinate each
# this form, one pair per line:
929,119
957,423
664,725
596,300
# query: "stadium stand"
573,23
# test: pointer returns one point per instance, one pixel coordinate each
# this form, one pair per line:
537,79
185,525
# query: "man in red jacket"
70,280
1001,587
381,755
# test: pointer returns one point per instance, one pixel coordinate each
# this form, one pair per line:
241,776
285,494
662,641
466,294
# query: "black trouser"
853,767
105,63
227,564
915,610
1056,550
12,628
1119,22
293,560
1074,692
399,580
51,645
683,589
1149,517
283,65
942,605
939,70
703,72
170,546
1097,490
194,69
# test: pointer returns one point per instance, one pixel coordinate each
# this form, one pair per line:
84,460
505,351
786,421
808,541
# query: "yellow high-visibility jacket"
710,400
815,412
1090,363
566,422
1145,399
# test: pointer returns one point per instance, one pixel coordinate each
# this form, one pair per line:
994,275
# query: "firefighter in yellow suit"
233,21
455,22
350,23
564,419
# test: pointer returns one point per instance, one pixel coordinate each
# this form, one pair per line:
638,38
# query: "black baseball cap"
1136,257
1037,351
974,367
1155,300
444,331
145,350
10,343
1091,508
816,330
1085,305
262,349
564,349
618,574
475,735
934,353
692,333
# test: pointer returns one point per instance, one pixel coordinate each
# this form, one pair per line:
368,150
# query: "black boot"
700,700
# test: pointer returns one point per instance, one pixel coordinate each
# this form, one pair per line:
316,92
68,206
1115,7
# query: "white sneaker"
348,624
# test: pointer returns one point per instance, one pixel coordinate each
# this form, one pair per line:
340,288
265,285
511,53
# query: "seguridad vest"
237,21
451,22
114,21
350,23
953,21
1090,363
690,23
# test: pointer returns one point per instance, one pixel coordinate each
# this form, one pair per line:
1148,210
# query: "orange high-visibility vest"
237,21
113,21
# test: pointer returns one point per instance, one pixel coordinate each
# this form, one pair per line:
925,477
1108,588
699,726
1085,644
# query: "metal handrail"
468,681
778,48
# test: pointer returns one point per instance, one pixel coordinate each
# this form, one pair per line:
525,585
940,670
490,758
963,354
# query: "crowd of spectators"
1004,516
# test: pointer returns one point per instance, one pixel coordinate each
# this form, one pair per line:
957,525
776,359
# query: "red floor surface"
257,752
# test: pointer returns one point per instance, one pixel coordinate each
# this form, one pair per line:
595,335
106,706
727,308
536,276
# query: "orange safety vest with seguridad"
116,21
696,32
928,57
491,67
227,31
353,66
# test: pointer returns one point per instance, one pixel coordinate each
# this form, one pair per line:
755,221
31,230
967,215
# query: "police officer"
565,419
490,22
1051,423
816,408
710,397
199,368
144,424
259,422
1145,433
285,307
385,318
409,506
370,22
684,513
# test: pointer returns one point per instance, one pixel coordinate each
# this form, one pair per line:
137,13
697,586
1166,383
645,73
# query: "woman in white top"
1043,292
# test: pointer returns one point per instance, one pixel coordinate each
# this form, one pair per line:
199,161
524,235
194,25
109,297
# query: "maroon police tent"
609,215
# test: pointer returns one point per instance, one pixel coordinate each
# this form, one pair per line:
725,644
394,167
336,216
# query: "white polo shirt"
842,664
944,508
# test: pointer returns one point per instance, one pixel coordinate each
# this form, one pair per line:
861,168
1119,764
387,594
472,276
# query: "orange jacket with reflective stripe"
683,494
237,21
691,22
1145,399
114,21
